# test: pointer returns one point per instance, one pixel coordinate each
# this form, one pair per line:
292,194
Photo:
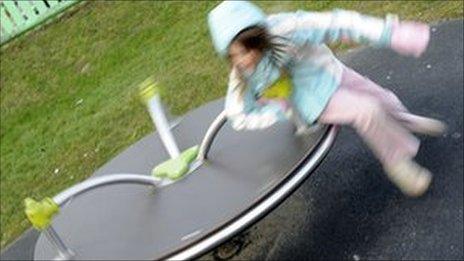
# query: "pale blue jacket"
314,71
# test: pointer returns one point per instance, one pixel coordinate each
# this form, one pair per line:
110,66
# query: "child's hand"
410,38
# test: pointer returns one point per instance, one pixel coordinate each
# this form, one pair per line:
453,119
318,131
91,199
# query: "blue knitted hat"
227,19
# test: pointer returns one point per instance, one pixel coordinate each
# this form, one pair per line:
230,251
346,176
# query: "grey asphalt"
348,209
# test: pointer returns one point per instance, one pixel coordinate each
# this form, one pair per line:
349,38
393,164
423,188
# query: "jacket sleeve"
336,25
245,112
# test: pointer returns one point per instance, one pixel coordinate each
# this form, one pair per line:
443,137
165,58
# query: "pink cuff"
282,103
410,38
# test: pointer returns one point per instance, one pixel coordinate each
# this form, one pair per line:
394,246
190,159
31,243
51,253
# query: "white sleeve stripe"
355,23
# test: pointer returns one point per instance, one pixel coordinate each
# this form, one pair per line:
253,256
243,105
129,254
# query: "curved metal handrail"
65,253
211,133
97,182
221,119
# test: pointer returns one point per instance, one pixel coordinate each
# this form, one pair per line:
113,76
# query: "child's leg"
392,104
389,140
391,143
353,80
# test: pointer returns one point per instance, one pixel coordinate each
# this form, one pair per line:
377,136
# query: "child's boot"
424,125
411,178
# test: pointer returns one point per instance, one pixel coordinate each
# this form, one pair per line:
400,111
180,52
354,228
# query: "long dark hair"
258,38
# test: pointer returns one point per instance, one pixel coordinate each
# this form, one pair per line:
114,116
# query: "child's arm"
408,38
245,112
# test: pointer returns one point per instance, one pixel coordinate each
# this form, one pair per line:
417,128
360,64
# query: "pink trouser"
376,114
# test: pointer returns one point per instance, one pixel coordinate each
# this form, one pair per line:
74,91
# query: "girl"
290,47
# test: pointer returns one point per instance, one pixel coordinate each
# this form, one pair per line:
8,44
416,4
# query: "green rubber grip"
40,213
174,169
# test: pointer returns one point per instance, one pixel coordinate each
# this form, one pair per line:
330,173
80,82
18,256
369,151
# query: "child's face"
243,59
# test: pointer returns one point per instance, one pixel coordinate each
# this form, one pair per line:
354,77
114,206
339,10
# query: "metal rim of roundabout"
264,205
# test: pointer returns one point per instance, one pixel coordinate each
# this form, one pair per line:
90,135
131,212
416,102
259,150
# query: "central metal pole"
157,115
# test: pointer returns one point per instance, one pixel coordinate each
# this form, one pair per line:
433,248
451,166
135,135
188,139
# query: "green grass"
69,96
